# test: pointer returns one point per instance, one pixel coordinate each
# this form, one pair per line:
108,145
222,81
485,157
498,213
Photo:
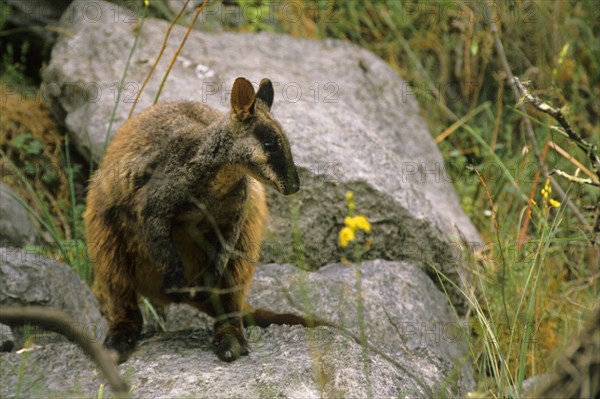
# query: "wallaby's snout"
292,184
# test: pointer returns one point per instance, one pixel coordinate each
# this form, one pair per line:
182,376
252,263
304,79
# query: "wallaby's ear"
265,92
242,98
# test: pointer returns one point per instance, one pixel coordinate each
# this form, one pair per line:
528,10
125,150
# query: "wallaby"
177,211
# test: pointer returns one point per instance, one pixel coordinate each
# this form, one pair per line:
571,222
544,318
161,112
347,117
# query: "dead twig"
61,323
160,54
556,113
570,158
574,179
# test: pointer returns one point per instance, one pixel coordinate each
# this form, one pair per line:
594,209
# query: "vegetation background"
537,279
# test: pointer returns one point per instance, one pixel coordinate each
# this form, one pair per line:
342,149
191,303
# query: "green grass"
60,222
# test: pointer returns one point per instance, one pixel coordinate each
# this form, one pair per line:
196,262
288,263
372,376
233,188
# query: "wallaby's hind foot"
121,338
229,340
125,325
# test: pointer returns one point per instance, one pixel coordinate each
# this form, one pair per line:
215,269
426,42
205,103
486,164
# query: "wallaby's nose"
292,185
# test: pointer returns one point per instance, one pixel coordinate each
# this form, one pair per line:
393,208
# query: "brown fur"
179,202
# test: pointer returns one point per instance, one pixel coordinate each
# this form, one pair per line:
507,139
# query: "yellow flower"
547,189
362,223
350,199
349,221
358,222
352,223
346,235
554,203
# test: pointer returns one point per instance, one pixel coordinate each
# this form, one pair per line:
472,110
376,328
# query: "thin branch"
528,127
563,196
187,34
575,162
557,114
60,322
193,290
160,53
120,87
574,179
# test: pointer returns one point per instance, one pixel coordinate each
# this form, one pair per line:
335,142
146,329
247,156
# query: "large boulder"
404,315
413,345
353,124
29,279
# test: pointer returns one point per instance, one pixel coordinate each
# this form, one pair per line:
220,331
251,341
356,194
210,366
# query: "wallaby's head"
260,143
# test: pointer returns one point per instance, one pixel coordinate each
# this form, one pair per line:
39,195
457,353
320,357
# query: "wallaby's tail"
264,318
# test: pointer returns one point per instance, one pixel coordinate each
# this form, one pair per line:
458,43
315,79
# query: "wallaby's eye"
271,145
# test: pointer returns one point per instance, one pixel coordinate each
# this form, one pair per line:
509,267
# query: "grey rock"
405,315
7,339
415,347
180,365
29,279
353,124
16,229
